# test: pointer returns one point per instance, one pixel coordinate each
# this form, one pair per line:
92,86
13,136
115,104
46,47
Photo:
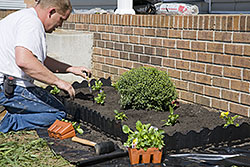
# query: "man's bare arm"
35,69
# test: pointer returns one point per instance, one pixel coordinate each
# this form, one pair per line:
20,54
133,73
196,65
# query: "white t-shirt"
22,28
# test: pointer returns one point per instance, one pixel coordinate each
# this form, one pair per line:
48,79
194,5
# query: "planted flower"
100,97
229,120
120,116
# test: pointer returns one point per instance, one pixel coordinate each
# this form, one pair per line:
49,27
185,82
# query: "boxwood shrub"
146,88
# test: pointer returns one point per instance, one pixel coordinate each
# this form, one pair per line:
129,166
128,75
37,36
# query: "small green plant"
100,97
55,90
97,85
145,136
120,116
75,126
229,120
172,118
146,88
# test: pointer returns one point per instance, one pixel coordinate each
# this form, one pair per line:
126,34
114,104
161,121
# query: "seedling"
120,116
172,118
100,97
75,126
97,86
55,90
229,120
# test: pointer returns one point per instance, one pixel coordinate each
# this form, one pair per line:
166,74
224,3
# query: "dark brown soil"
192,116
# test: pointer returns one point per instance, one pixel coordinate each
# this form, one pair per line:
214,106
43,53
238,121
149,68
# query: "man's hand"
80,71
67,87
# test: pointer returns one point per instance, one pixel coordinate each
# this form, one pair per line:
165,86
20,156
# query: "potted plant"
145,145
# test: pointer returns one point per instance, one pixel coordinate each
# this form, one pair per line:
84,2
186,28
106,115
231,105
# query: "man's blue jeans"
30,108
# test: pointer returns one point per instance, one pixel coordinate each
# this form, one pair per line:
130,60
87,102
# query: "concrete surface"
72,47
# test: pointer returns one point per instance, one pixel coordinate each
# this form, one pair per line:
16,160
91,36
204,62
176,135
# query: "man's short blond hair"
62,5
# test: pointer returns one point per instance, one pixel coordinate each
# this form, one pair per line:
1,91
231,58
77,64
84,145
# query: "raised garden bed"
197,125
198,128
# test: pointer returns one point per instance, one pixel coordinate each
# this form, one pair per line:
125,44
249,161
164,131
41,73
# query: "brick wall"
207,56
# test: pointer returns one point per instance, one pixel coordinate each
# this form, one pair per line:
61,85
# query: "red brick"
183,44
168,62
174,53
214,70
162,32
204,79
233,49
240,85
220,82
245,99
220,104
134,39
212,91
196,88
124,55
241,61
246,74
127,64
230,95
115,53
149,50
150,32
124,38
187,96
204,57
145,40
222,59
232,72
174,33
247,50
203,100
215,47
174,73
156,60
239,109
180,84
236,23
188,55
156,42
144,59
223,36
180,64
169,43
229,23
205,35
199,46
243,23
127,30
224,23
189,34
161,51
138,31
241,37
188,76
118,62
198,67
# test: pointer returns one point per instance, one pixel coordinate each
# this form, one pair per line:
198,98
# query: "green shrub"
146,88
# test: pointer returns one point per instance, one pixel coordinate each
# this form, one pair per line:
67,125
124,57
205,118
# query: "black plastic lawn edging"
217,136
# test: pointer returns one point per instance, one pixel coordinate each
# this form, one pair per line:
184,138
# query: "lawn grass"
25,148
